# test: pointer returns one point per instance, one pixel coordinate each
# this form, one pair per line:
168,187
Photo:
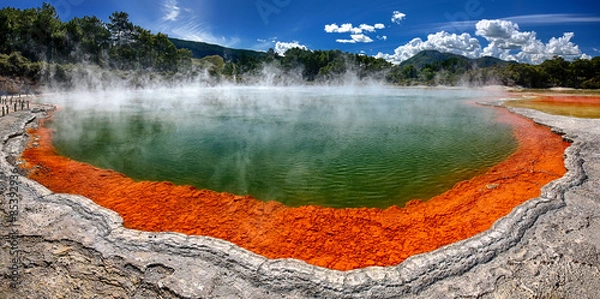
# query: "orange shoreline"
341,239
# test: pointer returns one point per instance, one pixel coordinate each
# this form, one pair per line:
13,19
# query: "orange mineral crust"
341,239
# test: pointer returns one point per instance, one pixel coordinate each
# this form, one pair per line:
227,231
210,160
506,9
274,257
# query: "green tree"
531,76
36,33
121,29
88,38
558,72
409,72
7,29
168,57
591,79
427,74
15,65
48,35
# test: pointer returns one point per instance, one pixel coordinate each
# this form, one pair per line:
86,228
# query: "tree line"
307,65
319,65
34,36
35,41
557,72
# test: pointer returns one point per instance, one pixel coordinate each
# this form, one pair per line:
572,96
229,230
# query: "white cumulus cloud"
397,17
561,46
504,34
505,41
356,33
496,29
356,38
282,47
371,28
368,28
349,28
361,38
442,41
331,28
345,28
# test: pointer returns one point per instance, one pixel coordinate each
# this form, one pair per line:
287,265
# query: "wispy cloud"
551,19
534,19
181,22
171,10
192,30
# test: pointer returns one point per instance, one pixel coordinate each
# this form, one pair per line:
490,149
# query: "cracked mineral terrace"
66,246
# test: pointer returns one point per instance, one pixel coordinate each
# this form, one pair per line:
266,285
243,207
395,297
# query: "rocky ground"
65,246
18,85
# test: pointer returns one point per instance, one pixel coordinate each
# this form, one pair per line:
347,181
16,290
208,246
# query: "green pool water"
336,147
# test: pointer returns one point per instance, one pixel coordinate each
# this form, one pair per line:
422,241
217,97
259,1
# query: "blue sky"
527,31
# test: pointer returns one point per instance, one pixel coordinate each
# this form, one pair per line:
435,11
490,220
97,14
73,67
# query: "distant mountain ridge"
431,57
419,61
202,49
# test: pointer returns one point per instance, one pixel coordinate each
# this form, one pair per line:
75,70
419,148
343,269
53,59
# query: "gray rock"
69,247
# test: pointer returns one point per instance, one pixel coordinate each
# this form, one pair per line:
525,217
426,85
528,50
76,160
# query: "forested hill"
200,50
431,57
445,68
